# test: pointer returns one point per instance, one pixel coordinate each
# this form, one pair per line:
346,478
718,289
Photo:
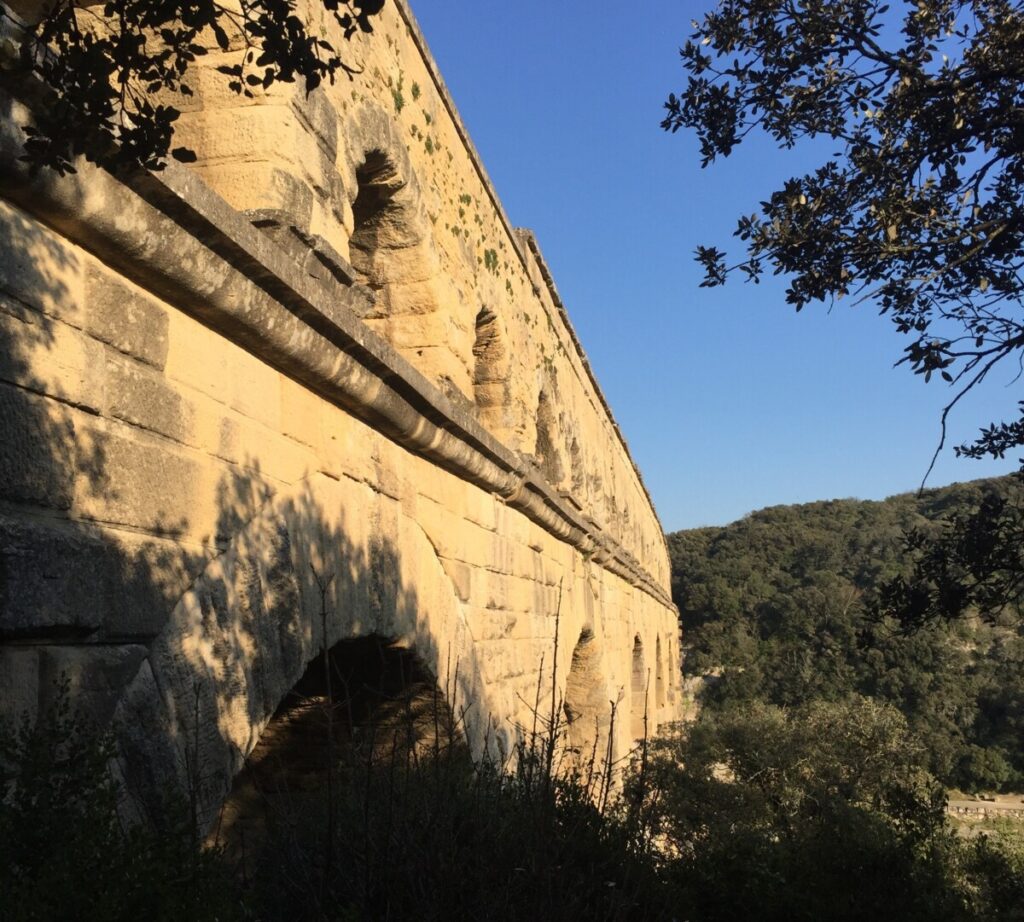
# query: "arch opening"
638,688
392,253
374,211
586,706
366,706
490,366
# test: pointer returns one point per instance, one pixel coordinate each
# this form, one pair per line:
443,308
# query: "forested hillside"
777,608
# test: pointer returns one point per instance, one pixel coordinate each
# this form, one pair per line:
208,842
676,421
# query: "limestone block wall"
313,384
380,170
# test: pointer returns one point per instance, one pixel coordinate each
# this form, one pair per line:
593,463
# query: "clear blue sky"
729,400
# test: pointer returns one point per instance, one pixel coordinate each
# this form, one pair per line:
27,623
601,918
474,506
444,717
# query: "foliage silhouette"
418,831
112,73
64,851
921,207
974,564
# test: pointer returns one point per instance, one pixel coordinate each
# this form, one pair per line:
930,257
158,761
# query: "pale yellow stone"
198,357
255,389
216,449
349,446
52,358
300,414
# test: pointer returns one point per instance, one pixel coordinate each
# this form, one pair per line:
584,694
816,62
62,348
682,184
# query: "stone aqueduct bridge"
321,349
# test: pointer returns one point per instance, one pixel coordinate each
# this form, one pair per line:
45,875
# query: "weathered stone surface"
255,390
144,484
253,186
142,398
51,358
60,579
37,450
37,267
316,111
148,577
96,676
300,414
198,358
246,434
120,315
54,579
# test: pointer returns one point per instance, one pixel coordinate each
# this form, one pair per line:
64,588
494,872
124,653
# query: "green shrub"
822,812
428,835
418,835
65,852
825,811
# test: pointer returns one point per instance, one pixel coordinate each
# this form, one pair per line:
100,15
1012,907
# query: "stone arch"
368,702
490,370
638,709
383,219
587,706
393,254
242,636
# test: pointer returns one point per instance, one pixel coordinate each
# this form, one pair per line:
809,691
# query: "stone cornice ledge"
232,277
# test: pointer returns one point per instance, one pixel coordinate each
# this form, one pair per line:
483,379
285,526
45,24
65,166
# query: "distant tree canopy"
922,205
975,564
784,607
824,811
112,70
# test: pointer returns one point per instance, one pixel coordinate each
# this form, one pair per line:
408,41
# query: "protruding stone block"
143,398
54,580
123,317
37,450
37,267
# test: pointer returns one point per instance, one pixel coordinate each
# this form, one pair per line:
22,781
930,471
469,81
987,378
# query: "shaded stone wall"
314,383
